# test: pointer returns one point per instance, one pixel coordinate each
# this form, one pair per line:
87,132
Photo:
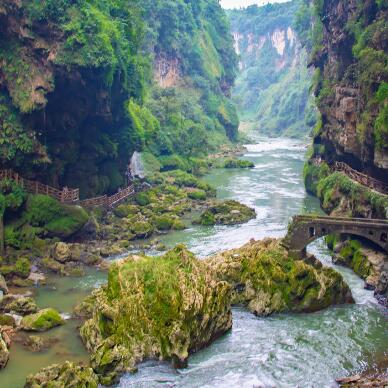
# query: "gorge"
188,283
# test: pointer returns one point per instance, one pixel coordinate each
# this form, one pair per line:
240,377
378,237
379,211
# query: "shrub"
23,267
163,222
198,195
42,209
143,198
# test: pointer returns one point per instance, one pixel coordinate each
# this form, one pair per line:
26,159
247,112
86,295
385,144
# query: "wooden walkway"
355,175
361,178
68,196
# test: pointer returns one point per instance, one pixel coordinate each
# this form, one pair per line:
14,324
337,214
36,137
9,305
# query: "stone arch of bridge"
314,232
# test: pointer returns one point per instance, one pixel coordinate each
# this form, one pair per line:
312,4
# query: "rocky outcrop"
351,69
170,306
364,380
267,281
366,262
63,376
23,306
43,320
164,308
227,213
4,352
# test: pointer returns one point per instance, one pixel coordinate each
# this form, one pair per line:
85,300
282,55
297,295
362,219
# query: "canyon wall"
85,84
272,89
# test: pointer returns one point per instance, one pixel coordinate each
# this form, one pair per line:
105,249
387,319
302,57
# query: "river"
286,350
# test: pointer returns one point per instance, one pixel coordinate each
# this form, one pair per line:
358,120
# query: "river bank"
281,350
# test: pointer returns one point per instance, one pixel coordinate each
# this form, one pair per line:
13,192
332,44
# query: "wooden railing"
105,201
70,196
65,195
361,178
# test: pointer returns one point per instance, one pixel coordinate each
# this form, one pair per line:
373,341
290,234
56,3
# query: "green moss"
165,306
198,195
237,163
143,198
142,229
42,320
23,267
163,222
266,279
227,213
352,256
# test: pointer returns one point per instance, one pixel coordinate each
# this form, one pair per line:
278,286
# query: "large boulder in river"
265,279
226,213
63,376
164,307
43,320
23,306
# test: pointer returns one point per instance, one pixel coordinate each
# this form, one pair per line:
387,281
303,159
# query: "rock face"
369,264
267,281
63,376
227,213
165,308
351,87
42,320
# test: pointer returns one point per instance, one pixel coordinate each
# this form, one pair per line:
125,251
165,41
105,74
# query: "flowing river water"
287,350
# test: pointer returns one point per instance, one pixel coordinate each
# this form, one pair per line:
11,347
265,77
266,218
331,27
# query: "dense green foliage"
341,195
85,91
273,87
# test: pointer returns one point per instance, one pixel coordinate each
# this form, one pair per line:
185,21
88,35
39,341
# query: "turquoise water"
307,350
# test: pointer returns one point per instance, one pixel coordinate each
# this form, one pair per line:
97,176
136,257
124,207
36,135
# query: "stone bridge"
305,229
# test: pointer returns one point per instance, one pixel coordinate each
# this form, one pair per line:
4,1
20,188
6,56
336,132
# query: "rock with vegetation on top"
227,213
4,352
265,279
165,307
63,376
3,285
23,306
237,163
43,320
142,229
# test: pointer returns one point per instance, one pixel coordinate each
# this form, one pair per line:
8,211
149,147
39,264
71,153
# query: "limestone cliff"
351,85
84,84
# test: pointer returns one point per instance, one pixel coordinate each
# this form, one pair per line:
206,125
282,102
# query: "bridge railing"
340,219
34,187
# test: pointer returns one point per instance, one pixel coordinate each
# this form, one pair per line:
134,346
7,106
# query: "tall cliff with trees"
84,83
348,42
272,89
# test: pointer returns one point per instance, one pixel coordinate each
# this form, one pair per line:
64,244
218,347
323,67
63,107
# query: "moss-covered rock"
23,306
351,255
227,213
163,222
237,163
265,279
165,307
197,195
55,218
63,376
7,320
142,229
4,352
42,320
